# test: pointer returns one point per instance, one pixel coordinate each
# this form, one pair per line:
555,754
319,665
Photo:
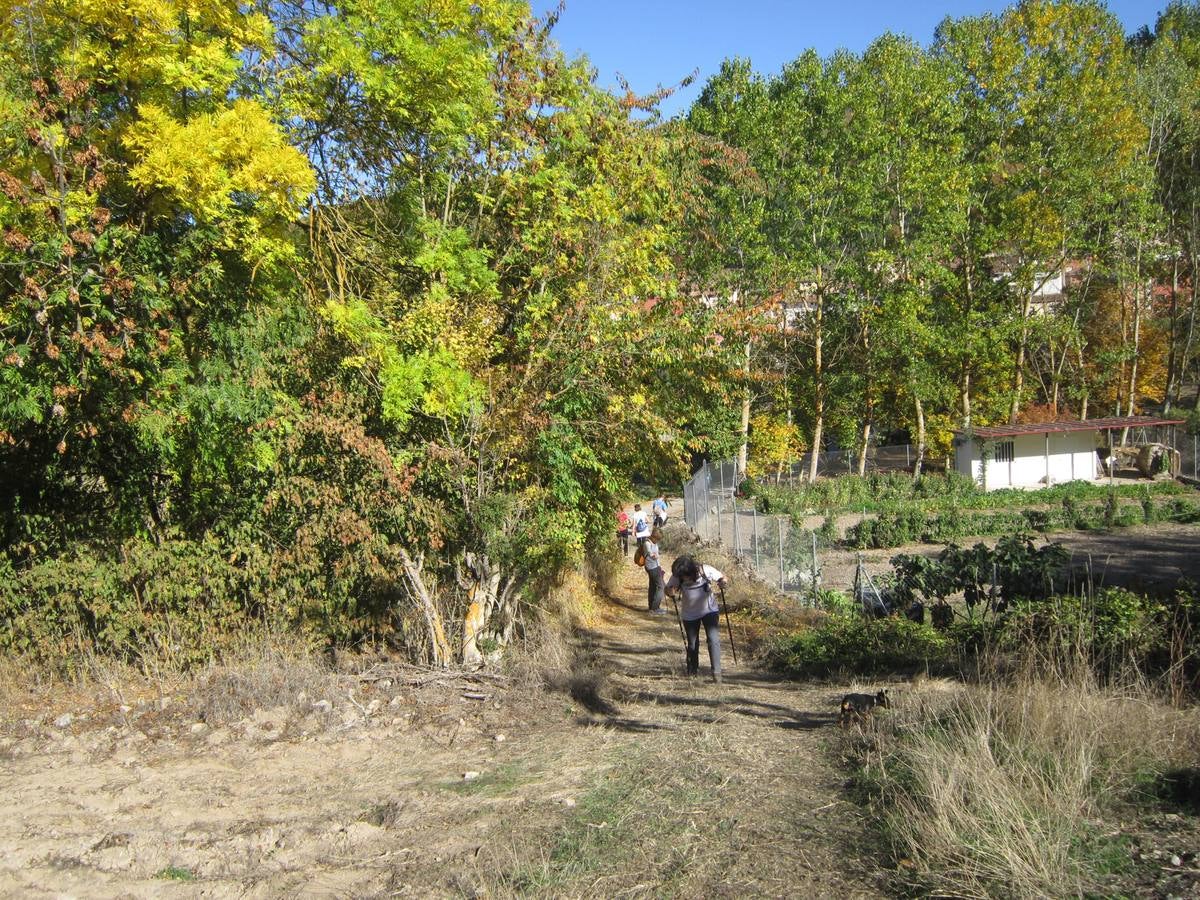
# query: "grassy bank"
1037,787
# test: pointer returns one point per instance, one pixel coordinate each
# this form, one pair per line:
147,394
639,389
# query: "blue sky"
655,42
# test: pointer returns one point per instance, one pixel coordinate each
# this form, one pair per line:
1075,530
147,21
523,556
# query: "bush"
828,532
179,603
852,644
1109,629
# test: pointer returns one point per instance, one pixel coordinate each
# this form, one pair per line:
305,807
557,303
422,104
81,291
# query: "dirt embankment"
623,777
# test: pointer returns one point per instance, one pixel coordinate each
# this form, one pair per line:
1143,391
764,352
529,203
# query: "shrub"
1111,628
947,526
179,602
828,532
861,646
837,603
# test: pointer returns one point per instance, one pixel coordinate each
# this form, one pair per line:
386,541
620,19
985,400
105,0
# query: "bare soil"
622,777
1145,558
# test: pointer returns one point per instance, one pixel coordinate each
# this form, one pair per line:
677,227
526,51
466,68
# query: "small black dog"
859,706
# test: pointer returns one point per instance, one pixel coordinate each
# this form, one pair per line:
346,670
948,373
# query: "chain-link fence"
780,553
1188,446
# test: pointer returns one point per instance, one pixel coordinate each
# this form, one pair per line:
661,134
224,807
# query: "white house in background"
1037,455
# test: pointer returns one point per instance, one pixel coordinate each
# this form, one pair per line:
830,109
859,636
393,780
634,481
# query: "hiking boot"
717,678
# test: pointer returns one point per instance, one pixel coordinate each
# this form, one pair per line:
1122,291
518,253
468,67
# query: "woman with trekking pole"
693,583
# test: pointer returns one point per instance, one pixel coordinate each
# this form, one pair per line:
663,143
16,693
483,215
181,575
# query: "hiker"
641,528
654,573
660,507
624,526
693,583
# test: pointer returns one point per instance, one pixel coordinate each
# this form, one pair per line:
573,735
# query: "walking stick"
682,633
728,625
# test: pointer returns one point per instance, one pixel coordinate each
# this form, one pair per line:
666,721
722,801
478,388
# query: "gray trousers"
712,630
655,589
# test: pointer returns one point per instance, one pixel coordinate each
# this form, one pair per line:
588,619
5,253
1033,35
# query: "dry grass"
1003,790
266,676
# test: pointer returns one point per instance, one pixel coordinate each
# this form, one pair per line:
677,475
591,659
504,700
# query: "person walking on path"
660,507
693,583
624,526
641,527
654,573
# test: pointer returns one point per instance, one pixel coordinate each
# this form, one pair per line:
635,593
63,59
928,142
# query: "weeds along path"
629,781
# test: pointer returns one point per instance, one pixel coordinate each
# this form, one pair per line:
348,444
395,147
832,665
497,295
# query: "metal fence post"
707,506
779,522
737,531
757,560
688,511
720,529
816,569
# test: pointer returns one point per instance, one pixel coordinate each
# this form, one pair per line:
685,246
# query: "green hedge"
853,644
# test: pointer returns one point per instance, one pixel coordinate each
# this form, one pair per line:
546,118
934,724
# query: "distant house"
1037,455
1049,288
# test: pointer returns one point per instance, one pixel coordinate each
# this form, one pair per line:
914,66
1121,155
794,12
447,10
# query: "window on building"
1004,451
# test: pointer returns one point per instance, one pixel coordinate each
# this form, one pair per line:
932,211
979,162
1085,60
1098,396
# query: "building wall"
1072,457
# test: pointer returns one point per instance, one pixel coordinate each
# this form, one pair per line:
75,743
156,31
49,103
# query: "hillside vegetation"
356,321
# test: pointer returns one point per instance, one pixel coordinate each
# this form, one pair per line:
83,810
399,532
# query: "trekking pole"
678,618
682,633
728,625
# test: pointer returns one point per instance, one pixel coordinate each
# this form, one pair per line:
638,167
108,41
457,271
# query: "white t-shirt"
698,598
641,528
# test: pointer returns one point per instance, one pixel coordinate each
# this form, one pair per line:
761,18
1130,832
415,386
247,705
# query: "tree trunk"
439,647
819,390
1137,332
964,391
1019,366
866,443
868,402
1083,400
489,593
744,449
920,409
1172,341
1185,358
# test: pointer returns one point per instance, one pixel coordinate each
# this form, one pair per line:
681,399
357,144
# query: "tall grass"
1000,790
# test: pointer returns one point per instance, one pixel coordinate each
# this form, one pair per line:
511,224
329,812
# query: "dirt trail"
634,781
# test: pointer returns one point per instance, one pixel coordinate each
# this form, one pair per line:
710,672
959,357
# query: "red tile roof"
1109,424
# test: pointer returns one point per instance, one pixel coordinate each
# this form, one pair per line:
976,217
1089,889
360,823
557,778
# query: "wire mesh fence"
789,556
1188,446
779,552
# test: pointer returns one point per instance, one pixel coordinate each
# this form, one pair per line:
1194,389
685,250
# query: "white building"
1037,455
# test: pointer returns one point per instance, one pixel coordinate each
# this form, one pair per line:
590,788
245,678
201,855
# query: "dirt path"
633,781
